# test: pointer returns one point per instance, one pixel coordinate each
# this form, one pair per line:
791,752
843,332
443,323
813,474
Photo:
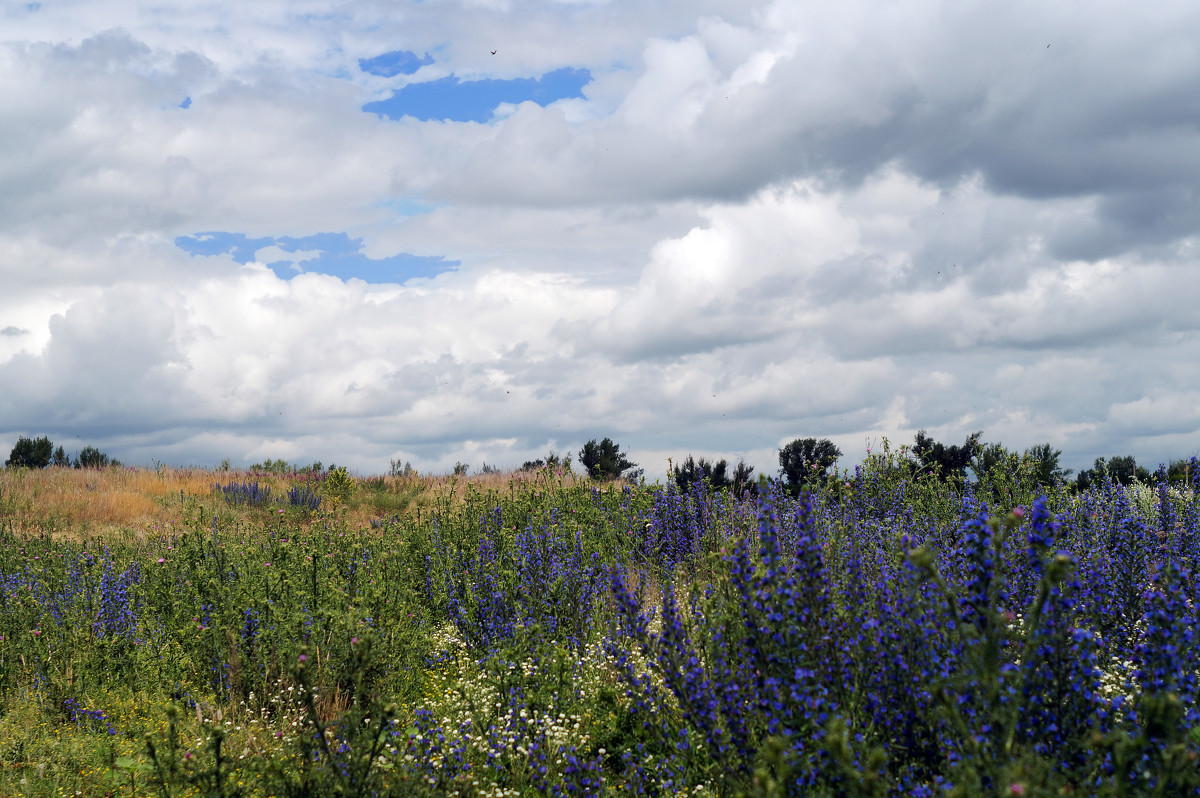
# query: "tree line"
41,453
809,462
804,462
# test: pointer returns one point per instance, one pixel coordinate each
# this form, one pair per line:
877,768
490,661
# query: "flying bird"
494,52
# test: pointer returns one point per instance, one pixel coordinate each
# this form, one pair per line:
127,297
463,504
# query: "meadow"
179,632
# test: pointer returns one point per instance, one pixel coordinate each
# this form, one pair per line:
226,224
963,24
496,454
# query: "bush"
339,485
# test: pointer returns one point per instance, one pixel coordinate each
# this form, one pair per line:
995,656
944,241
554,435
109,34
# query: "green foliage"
1046,469
806,462
460,469
946,461
281,467
270,466
91,457
1123,470
1003,475
690,471
993,457
551,460
225,612
30,453
1180,472
605,460
339,486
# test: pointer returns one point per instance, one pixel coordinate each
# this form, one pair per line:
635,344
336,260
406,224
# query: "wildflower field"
187,632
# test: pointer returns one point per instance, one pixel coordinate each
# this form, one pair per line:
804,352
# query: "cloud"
718,227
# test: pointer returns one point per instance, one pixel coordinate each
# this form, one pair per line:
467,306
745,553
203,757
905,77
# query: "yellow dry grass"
81,501
67,502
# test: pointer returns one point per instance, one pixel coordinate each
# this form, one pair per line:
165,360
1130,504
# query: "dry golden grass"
86,501
69,502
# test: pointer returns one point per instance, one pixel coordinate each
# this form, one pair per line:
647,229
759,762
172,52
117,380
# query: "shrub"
339,485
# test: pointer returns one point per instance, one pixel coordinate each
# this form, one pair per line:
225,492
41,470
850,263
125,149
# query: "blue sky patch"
397,62
186,104
335,254
474,101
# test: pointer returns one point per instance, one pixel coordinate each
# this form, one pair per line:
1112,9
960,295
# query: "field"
189,632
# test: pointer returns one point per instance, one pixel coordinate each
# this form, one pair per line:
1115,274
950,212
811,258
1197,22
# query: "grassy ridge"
189,632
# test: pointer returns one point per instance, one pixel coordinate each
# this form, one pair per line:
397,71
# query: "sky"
479,230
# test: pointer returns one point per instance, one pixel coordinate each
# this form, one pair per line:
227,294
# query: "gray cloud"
763,221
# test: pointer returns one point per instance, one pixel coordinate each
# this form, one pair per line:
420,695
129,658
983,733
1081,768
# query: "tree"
743,478
398,469
605,460
91,457
991,457
1123,470
806,461
1126,470
946,461
1182,471
552,460
690,471
60,458
1044,458
30,453
270,466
